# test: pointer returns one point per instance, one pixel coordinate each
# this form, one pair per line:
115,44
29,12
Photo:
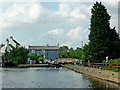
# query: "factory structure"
49,52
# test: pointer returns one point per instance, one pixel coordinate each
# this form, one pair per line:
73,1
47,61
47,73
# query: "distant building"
49,52
9,45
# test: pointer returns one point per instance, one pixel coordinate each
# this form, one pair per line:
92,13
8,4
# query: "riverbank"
98,73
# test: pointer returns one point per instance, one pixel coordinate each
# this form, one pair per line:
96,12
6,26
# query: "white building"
9,44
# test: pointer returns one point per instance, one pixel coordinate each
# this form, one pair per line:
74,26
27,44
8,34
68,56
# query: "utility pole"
82,51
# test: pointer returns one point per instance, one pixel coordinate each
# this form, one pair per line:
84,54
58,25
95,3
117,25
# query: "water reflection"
49,78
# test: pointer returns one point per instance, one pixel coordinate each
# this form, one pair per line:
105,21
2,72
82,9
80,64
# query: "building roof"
11,46
1,45
44,47
16,42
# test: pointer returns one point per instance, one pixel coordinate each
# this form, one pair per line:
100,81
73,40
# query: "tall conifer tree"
100,34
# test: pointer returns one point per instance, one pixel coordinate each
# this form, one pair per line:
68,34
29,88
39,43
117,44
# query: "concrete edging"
101,74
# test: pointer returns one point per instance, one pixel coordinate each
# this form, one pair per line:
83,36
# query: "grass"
81,65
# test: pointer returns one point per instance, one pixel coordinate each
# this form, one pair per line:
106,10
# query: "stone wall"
102,74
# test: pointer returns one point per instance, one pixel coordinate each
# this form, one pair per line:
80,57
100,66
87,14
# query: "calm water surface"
49,78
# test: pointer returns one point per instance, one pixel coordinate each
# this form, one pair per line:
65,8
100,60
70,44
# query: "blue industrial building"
49,52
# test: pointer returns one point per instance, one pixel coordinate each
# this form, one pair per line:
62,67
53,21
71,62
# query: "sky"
41,23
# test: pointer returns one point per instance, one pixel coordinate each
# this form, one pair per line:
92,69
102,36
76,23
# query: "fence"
97,65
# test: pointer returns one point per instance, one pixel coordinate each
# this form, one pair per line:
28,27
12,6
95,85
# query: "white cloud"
74,12
111,4
77,34
35,11
64,8
19,13
72,38
16,14
75,37
56,32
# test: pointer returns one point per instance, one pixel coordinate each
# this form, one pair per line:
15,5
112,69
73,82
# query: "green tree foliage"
33,56
114,44
65,52
40,57
71,53
103,40
5,56
86,53
78,53
17,55
36,57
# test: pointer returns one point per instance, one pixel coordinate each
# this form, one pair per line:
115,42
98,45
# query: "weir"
39,65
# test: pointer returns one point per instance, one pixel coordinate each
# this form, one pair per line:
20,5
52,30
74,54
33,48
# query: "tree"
63,51
35,56
115,44
5,56
71,53
40,57
78,53
100,34
86,53
17,55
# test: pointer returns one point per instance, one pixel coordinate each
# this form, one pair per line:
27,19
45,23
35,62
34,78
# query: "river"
44,77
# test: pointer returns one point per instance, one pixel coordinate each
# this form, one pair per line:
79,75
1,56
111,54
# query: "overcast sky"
41,23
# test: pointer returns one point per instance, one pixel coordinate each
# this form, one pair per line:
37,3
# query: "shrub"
104,68
115,69
15,61
101,68
108,68
33,56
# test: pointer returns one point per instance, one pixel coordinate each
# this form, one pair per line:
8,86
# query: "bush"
33,56
115,61
112,61
115,69
101,68
36,57
104,68
15,61
17,55
108,68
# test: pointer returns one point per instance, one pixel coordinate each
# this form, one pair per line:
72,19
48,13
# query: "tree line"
65,52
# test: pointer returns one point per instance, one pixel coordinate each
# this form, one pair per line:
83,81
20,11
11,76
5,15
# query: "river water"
43,77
